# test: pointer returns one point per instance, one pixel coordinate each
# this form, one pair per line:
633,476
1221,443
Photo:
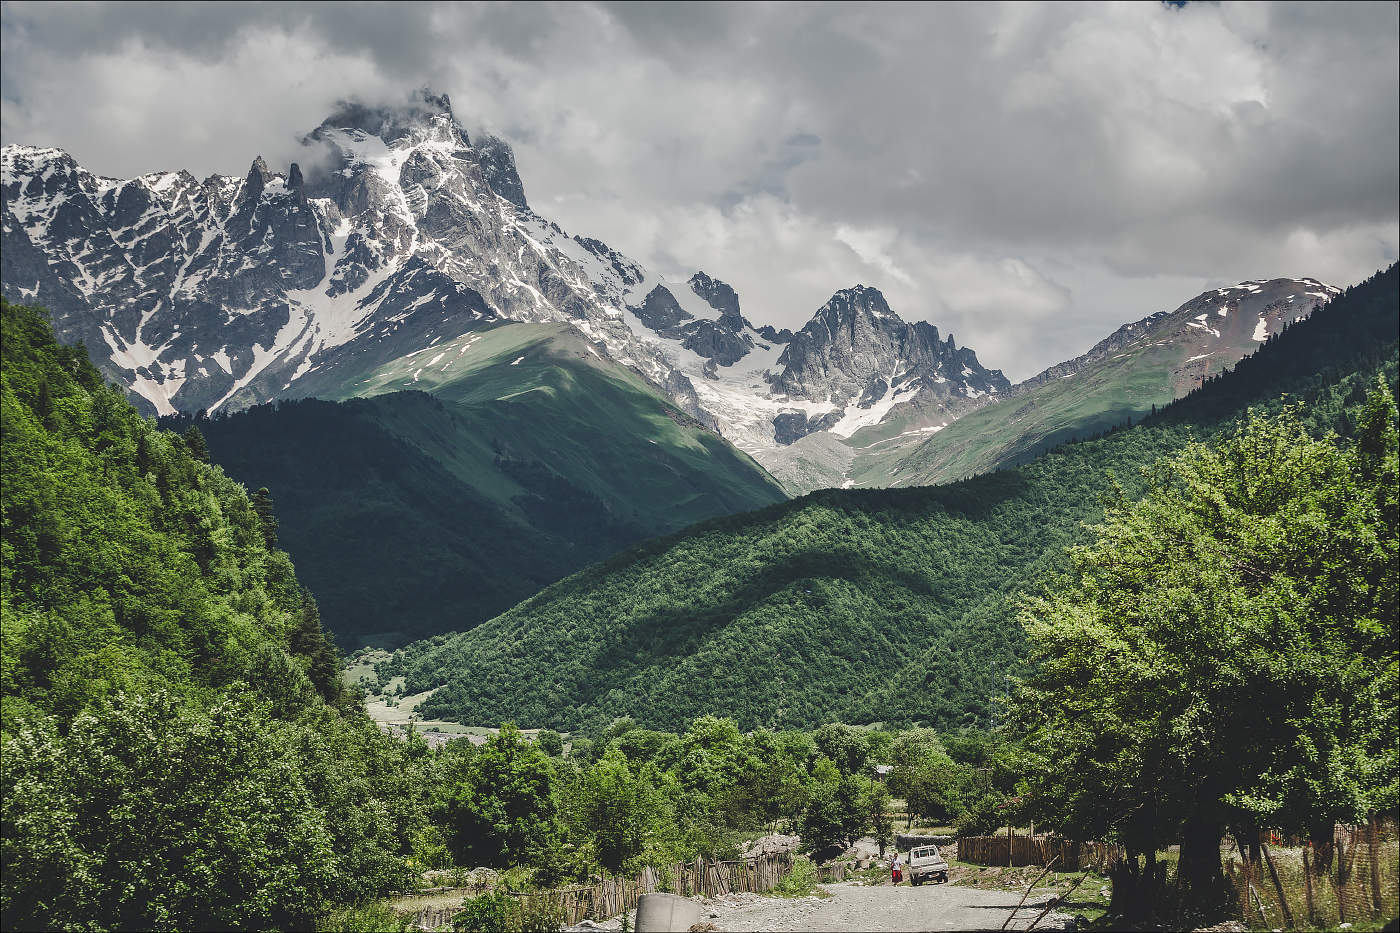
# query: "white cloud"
1027,176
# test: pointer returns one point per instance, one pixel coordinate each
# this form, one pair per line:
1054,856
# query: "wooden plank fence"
1038,850
609,897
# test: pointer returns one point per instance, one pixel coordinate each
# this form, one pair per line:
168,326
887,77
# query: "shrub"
487,913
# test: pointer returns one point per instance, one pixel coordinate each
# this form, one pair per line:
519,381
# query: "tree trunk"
1125,901
1136,890
1323,840
1308,897
1199,873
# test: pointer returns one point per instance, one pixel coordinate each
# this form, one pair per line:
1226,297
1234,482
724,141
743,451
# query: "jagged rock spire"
258,176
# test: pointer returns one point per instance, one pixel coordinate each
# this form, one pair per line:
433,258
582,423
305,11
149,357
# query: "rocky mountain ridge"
1259,308
224,293
402,233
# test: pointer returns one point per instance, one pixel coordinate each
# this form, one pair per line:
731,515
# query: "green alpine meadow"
490,467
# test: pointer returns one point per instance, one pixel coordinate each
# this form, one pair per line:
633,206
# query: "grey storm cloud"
1026,176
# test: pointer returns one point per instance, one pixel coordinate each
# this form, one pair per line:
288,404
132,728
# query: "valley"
487,467
490,467
856,605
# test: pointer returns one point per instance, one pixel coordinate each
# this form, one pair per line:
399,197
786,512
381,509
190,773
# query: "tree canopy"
1223,653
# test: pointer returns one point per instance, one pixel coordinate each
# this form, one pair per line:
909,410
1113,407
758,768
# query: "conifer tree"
194,440
262,504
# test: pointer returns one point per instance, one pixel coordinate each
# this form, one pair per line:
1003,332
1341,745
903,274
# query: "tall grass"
1328,901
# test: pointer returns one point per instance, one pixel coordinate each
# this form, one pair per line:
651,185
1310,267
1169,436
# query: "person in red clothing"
896,870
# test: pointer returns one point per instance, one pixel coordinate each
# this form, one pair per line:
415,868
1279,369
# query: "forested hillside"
479,481
129,562
178,751
862,606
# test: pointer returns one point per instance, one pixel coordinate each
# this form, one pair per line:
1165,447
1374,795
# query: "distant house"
883,771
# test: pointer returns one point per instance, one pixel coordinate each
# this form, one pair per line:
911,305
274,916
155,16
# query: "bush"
799,882
487,913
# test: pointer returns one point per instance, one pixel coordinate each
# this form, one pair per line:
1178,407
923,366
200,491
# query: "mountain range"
231,291
480,482
509,403
892,606
404,234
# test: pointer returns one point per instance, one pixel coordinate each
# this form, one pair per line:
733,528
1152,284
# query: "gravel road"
881,909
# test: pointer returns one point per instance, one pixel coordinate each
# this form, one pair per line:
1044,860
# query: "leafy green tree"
618,727
933,785
309,640
194,440
148,815
504,811
838,810
782,783
847,747
643,744
981,815
1224,653
879,816
619,810
550,742
711,758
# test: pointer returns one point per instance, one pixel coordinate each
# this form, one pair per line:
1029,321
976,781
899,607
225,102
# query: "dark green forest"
445,555
866,606
480,492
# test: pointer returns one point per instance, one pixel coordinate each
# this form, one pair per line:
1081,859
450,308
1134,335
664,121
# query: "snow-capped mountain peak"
395,232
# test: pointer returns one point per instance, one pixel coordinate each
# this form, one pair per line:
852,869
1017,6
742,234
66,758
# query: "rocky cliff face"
229,291
858,353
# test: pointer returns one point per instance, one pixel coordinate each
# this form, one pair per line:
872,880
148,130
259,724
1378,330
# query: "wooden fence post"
1337,891
1372,842
1245,887
1278,886
1308,903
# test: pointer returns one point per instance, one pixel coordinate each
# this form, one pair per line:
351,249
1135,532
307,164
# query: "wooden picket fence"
1039,850
612,896
1359,880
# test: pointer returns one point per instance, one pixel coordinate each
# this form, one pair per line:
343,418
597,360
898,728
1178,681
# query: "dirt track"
881,909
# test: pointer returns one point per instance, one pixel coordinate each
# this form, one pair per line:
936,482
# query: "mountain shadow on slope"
399,544
414,512
683,626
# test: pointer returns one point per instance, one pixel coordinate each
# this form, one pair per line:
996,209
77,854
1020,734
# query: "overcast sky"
1027,177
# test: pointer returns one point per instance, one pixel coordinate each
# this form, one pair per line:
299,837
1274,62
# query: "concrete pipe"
666,913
